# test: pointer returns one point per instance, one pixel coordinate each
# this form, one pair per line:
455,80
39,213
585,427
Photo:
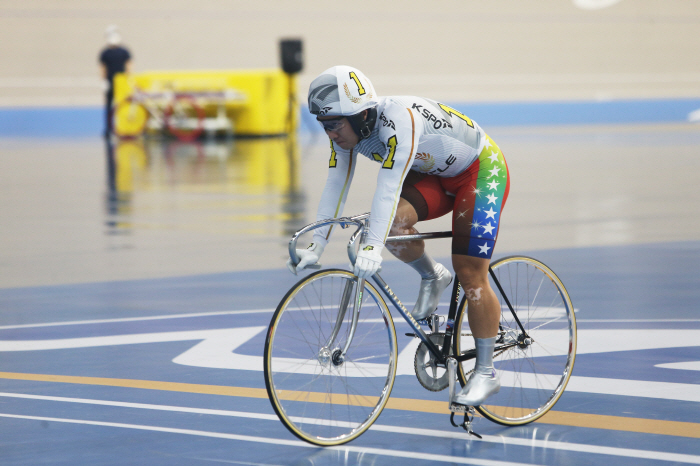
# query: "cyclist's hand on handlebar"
308,256
369,258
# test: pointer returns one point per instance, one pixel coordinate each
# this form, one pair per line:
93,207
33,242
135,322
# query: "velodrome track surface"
135,300
160,372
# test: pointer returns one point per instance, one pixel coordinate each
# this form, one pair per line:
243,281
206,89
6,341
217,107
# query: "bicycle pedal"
467,423
412,335
458,408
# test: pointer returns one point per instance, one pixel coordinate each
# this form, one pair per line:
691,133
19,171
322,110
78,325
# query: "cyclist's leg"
483,308
422,198
481,193
404,220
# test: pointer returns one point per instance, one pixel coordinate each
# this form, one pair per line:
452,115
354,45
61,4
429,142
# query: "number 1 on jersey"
389,162
452,111
333,161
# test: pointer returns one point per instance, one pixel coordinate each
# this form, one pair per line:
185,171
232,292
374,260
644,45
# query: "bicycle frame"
362,222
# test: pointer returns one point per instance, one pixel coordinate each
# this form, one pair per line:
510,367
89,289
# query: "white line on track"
163,317
291,443
263,311
635,321
136,319
245,463
532,443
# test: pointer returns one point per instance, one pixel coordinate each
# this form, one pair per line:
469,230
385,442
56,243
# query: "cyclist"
433,160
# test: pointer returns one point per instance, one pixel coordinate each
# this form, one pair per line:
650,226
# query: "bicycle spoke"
336,401
546,323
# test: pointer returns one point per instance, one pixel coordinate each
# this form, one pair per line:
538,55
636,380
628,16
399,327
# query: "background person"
113,59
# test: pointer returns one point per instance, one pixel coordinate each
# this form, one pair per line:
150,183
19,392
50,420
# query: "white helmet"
344,91
112,35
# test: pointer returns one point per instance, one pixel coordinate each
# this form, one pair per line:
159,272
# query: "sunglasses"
336,124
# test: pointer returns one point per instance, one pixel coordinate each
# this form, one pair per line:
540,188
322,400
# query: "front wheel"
318,395
535,366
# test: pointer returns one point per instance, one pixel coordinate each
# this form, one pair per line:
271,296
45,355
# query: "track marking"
635,321
594,421
548,444
264,311
273,441
137,319
217,349
545,444
161,317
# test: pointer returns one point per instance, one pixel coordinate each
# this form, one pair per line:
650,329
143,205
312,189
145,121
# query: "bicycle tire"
129,119
533,376
179,115
318,401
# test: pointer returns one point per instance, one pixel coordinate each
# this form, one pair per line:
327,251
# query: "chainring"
431,376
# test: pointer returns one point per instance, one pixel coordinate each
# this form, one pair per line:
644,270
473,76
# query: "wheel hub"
524,341
324,356
338,358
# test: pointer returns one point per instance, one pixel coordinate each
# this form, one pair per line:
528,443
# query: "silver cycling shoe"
430,291
478,388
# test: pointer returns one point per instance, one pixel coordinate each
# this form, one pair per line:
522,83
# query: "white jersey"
411,133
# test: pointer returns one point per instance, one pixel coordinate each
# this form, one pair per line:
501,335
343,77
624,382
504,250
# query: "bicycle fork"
337,356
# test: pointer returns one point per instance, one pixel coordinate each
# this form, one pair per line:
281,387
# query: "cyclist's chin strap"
362,125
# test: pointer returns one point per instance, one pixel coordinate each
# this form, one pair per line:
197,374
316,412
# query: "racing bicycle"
331,352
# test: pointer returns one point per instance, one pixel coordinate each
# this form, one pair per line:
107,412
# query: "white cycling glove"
369,258
308,256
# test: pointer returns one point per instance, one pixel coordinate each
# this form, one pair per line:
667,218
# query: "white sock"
484,355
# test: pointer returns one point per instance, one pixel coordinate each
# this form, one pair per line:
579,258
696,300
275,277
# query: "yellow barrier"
256,101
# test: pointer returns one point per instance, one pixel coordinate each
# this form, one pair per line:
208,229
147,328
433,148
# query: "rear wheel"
535,366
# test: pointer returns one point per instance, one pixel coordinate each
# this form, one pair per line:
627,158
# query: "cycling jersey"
411,133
